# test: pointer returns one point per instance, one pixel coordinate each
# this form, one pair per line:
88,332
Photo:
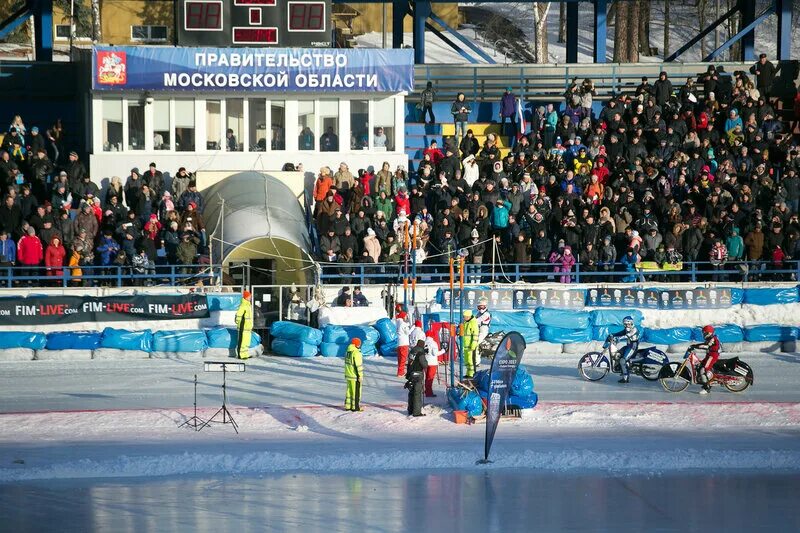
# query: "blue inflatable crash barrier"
562,318
291,348
369,348
295,332
73,340
344,334
468,401
737,296
564,335
224,302
771,332
227,338
725,333
601,333
787,295
614,317
668,335
524,402
386,330
22,339
388,350
122,339
331,349
512,320
529,334
179,341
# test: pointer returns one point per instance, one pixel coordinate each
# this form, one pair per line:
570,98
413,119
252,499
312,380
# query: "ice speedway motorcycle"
734,374
646,362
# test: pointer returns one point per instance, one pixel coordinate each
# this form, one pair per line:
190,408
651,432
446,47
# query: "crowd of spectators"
704,171
54,219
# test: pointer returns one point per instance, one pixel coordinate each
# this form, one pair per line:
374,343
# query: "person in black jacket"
662,89
415,379
765,73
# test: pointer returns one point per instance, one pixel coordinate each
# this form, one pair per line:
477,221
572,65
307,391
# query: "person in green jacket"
244,325
469,332
735,245
354,375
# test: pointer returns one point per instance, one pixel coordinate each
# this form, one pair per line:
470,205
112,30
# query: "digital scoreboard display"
279,23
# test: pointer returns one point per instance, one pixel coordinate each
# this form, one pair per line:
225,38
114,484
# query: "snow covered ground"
96,445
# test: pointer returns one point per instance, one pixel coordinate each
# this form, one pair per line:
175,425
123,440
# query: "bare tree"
626,33
97,29
644,27
540,11
562,22
634,15
666,28
701,13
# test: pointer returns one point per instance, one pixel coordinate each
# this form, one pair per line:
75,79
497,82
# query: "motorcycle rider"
712,347
630,335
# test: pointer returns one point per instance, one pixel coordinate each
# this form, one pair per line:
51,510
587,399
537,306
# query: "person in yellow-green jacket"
469,332
354,375
244,326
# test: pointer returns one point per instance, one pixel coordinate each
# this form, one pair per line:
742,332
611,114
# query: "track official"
244,326
354,375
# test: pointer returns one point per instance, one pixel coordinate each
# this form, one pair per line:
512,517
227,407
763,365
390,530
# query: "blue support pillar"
784,10
399,12
572,32
600,30
748,10
422,9
43,28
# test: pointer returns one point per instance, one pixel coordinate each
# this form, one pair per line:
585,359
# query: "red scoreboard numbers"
307,16
201,15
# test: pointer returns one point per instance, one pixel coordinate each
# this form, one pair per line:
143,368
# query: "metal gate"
281,302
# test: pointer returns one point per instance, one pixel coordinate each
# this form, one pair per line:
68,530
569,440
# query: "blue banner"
501,373
255,70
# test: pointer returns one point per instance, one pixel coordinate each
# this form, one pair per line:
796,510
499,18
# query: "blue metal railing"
700,271
114,276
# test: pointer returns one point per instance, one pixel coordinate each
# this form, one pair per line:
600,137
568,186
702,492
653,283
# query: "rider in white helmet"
630,335
484,319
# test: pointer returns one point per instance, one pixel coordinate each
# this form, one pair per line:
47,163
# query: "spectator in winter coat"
460,110
54,257
608,255
427,98
735,245
180,183
717,257
662,90
765,73
372,246
630,261
755,243
29,254
187,250
508,109
86,220
8,249
191,196
108,249
469,145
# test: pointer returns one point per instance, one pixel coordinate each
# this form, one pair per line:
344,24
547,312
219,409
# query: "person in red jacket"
54,257
712,347
29,254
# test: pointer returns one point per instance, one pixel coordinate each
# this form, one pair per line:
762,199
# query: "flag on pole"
501,374
521,116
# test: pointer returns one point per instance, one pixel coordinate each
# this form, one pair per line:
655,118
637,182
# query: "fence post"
694,272
577,272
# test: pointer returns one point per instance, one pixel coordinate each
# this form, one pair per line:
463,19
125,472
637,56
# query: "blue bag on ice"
22,339
291,348
387,330
562,318
331,349
188,340
522,385
122,339
295,332
528,401
73,340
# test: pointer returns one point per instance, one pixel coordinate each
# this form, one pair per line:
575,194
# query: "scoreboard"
278,23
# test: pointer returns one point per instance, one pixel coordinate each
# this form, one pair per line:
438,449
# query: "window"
135,126
305,125
258,125
277,113
162,132
383,135
184,125
149,33
234,131
213,125
329,125
112,125
62,32
359,124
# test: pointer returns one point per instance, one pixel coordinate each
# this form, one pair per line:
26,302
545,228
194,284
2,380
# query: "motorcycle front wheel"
593,366
673,382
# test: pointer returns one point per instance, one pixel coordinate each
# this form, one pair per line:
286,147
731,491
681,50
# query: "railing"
701,271
113,276
544,82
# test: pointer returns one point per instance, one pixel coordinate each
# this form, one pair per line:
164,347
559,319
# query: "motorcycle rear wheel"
672,382
651,372
593,366
737,386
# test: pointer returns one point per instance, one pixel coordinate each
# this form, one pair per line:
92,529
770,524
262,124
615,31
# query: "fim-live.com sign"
260,70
